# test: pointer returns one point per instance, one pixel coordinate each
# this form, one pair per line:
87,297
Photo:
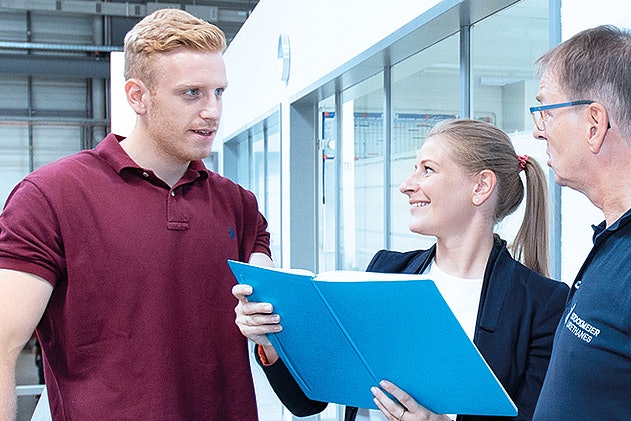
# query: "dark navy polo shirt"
589,377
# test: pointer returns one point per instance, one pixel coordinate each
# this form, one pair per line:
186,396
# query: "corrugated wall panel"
13,26
62,29
36,113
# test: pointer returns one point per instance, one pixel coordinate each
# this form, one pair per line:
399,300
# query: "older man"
585,118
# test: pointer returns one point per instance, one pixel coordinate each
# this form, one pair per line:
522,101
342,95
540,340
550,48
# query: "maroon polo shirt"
140,324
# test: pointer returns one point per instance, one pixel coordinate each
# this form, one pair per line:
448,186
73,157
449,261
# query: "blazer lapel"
499,273
420,262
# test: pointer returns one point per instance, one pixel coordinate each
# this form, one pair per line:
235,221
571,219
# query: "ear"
137,95
598,126
484,186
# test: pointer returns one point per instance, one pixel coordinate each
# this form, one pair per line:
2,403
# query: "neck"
611,196
606,184
151,158
464,257
614,208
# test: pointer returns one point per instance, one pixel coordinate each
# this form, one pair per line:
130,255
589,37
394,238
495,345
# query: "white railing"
42,410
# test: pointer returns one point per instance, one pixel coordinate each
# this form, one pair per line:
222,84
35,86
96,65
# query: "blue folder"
343,332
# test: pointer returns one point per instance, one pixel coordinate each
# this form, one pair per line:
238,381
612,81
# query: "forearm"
8,402
23,298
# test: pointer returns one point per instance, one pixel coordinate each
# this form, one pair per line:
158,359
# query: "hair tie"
522,161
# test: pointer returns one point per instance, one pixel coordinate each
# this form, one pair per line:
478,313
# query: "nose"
408,186
211,109
538,134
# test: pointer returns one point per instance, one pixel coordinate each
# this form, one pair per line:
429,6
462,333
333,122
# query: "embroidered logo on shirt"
231,233
579,327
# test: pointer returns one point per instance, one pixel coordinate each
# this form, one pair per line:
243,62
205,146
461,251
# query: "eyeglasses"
539,117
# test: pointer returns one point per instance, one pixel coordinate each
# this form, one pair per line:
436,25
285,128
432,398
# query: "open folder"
345,331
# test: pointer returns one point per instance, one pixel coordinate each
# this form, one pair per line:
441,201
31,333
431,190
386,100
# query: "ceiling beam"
127,9
55,66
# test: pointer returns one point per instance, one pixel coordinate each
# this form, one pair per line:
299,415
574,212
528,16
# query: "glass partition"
252,159
425,90
273,187
504,83
362,188
327,185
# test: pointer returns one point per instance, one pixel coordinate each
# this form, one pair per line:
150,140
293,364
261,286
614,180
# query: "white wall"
323,36
123,116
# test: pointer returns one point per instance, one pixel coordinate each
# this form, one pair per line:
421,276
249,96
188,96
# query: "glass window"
327,187
252,159
273,187
257,160
363,157
504,83
425,90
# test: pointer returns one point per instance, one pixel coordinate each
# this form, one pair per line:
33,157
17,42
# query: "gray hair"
595,64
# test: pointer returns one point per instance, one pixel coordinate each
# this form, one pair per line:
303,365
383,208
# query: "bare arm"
23,299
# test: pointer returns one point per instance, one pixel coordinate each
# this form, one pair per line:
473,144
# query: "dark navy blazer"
517,317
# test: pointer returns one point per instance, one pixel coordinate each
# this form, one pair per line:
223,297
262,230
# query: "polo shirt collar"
111,151
601,231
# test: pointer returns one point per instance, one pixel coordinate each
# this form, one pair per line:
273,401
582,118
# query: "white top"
463,297
461,294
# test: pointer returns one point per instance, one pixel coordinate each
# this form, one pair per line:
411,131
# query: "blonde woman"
466,179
